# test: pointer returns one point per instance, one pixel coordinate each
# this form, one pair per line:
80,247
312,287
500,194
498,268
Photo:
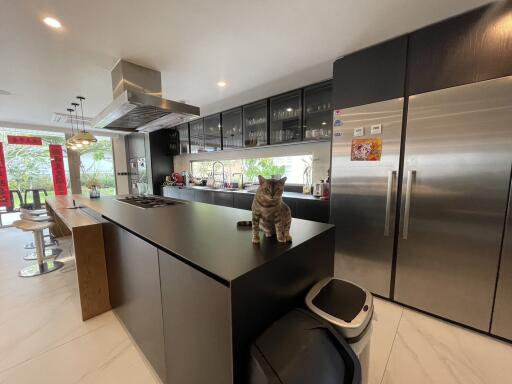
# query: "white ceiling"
259,47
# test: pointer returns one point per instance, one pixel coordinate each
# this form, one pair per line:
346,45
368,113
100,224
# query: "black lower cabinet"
134,287
243,201
203,196
197,324
223,198
314,210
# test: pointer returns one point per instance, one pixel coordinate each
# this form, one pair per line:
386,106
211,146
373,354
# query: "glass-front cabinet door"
212,135
183,137
232,133
286,118
196,136
255,124
318,115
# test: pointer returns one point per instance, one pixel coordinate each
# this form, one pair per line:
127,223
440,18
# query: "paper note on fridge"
366,149
359,131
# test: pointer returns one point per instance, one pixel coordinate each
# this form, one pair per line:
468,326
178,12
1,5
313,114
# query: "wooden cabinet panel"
468,48
371,75
134,287
197,324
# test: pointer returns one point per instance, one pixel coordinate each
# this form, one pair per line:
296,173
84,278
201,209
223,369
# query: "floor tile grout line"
50,349
392,346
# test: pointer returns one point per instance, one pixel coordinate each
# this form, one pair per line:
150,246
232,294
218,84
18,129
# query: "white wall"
120,164
321,152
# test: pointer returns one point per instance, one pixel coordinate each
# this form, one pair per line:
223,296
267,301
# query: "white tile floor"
43,339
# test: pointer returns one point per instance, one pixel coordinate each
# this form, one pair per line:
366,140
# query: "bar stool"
47,252
42,266
50,240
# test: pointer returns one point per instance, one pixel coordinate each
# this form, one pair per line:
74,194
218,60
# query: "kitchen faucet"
214,174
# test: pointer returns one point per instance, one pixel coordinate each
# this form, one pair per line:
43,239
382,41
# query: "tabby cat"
270,212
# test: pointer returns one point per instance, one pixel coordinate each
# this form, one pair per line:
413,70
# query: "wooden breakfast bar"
89,250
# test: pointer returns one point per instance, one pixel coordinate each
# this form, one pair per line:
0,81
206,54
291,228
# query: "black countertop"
204,235
291,195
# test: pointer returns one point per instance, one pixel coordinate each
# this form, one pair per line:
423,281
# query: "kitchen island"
193,290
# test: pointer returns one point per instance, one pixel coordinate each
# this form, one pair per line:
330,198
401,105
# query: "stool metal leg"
50,253
42,266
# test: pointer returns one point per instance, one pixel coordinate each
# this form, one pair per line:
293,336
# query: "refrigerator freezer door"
502,318
363,194
458,154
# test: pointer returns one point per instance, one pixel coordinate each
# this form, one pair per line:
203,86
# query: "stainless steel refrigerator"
443,254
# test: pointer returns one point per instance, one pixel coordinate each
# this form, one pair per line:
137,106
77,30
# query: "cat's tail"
244,224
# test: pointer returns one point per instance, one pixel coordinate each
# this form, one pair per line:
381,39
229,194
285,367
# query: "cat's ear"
283,180
261,179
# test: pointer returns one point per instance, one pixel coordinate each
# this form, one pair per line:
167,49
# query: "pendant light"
70,142
75,138
84,137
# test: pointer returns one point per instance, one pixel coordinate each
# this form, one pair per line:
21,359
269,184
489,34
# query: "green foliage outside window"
263,167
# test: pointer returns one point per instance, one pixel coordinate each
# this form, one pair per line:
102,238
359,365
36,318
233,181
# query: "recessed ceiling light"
3,92
221,84
51,22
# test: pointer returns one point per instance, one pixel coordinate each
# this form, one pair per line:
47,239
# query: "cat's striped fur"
270,212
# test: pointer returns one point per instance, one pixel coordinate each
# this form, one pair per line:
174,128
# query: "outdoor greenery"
28,166
263,167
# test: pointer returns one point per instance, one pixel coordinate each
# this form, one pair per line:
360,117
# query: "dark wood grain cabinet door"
202,196
371,75
134,286
474,46
197,324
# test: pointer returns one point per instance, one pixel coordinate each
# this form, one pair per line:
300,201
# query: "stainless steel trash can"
349,308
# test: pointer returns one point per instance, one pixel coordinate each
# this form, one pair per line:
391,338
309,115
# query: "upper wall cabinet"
318,111
232,132
371,75
196,136
286,118
468,48
212,133
183,137
255,124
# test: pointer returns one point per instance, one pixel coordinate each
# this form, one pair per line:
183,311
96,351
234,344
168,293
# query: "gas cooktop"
147,201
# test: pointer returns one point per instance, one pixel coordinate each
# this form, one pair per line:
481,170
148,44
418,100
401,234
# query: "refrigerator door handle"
391,179
407,210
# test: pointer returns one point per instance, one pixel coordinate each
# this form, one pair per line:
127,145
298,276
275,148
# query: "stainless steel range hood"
138,103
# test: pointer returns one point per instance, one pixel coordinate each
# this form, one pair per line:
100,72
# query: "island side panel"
197,324
261,296
91,270
134,285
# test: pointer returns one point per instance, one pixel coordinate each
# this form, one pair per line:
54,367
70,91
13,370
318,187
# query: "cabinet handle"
391,178
407,210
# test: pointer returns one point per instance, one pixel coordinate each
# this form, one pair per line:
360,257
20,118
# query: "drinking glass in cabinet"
212,135
255,124
318,116
286,122
232,136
